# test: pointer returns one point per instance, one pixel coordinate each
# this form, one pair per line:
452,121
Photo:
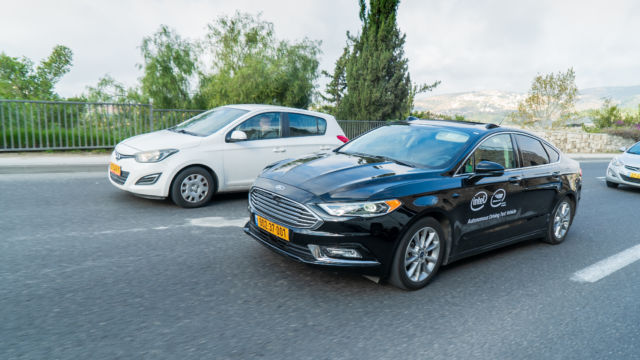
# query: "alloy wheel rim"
194,188
561,220
422,254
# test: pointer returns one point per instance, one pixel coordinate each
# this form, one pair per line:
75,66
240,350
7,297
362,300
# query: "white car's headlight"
154,155
365,209
616,162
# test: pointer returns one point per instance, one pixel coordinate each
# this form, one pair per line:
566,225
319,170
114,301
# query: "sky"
468,45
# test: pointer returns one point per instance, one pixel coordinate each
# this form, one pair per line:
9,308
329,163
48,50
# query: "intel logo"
478,200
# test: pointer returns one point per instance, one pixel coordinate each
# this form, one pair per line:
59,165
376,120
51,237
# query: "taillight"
343,138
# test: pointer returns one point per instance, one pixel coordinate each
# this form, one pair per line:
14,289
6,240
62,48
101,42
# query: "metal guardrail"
353,128
64,125
27,125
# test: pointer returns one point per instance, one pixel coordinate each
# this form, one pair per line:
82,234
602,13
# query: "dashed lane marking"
608,266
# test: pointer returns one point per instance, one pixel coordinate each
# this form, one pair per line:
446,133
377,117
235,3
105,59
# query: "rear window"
306,125
553,154
533,154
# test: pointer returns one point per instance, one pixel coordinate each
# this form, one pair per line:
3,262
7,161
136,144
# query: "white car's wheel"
192,187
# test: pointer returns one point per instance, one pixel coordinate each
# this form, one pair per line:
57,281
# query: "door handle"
515,179
279,150
556,175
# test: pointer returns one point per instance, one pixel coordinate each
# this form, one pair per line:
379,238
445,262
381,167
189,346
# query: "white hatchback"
221,150
624,169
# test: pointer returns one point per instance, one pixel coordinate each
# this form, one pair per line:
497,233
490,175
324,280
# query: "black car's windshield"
635,149
424,146
209,122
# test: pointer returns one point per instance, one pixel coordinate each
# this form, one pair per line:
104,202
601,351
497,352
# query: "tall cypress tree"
374,69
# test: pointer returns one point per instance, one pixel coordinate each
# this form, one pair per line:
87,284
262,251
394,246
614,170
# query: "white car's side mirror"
623,149
238,135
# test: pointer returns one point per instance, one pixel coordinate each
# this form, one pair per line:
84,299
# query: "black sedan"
401,200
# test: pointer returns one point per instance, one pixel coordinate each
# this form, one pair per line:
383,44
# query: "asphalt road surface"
90,272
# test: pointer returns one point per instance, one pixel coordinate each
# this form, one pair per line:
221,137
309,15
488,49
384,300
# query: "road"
90,272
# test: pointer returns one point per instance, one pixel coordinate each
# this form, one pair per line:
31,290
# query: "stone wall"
581,142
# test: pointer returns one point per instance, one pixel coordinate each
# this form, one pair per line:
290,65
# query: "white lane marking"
608,266
601,177
216,221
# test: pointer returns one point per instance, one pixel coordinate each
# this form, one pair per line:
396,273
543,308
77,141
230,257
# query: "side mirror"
485,169
623,149
238,135
489,168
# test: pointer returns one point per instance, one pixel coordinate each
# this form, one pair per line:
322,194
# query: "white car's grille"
281,209
632,168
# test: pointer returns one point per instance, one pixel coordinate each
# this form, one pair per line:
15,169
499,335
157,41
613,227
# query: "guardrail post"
151,117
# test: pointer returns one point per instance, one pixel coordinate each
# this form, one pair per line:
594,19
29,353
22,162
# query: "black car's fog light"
324,252
149,179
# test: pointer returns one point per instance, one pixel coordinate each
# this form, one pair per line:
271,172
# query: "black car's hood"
333,176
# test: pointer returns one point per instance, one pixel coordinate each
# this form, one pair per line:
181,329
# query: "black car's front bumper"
373,241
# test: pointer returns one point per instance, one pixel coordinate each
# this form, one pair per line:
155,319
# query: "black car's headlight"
365,209
154,155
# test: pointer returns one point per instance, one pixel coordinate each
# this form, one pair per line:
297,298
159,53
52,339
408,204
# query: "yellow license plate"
635,175
114,168
275,229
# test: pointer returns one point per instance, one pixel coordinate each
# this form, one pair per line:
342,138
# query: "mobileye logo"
478,201
498,198
280,187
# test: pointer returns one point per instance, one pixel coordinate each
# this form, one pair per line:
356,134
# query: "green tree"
19,79
109,90
169,64
371,79
550,102
251,66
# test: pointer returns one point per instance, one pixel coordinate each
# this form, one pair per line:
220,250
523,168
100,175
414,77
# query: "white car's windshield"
635,149
209,122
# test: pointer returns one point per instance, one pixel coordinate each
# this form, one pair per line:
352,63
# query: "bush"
632,133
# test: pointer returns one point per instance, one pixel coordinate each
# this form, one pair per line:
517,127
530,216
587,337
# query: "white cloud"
469,45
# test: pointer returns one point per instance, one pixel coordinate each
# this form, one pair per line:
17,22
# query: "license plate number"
635,175
274,229
114,168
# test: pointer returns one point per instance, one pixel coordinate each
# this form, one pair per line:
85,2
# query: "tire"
612,184
428,255
192,187
560,222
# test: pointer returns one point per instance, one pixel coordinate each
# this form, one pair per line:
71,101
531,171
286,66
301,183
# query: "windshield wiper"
400,162
183,131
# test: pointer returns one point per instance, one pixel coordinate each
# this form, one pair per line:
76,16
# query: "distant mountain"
494,105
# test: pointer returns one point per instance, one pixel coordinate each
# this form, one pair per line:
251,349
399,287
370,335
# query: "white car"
624,169
221,150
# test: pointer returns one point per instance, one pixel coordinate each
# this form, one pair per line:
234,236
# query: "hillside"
494,105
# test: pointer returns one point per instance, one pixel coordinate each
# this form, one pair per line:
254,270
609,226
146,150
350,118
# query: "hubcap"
561,220
422,254
194,188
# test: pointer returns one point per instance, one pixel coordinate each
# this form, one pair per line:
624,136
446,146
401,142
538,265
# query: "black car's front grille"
632,168
119,179
630,179
281,209
286,246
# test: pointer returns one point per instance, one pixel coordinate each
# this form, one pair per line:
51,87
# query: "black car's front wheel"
561,219
419,255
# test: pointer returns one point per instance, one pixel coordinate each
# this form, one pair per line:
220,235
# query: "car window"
262,126
424,146
305,125
531,150
635,149
497,148
553,154
209,122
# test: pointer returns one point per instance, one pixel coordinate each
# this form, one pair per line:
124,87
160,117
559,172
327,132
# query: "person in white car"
624,169
221,150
